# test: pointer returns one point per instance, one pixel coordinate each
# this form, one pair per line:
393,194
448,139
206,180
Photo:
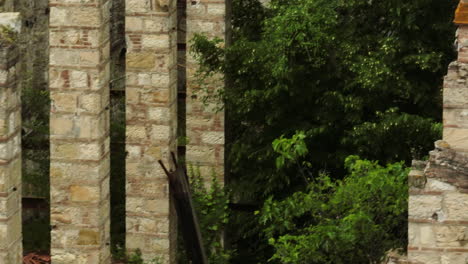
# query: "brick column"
11,250
205,126
151,125
79,131
438,197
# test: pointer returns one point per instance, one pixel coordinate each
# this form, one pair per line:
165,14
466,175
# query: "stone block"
141,60
137,6
450,236
160,80
89,58
155,41
454,258
61,125
60,56
213,137
88,237
64,102
456,137
217,9
136,133
456,117
79,79
91,103
455,205
414,236
455,96
424,206
156,24
416,179
133,23
424,257
84,193
81,151
436,185
160,132
11,20
159,114
200,154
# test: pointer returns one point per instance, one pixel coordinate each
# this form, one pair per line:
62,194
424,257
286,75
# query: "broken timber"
180,189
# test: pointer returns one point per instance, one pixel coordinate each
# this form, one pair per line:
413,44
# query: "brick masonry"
79,131
151,110
10,149
438,197
78,74
204,123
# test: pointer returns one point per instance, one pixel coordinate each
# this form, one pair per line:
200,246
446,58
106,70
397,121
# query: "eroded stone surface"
79,125
438,202
10,149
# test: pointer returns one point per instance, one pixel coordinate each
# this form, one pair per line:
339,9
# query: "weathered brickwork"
10,149
204,124
438,219
151,90
438,201
78,64
79,131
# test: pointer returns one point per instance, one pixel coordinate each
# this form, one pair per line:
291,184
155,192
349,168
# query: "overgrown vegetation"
354,220
310,84
7,35
357,77
122,256
211,200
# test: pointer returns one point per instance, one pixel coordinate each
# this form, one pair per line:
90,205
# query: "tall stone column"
438,197
79,131
151,125
204,123
11,250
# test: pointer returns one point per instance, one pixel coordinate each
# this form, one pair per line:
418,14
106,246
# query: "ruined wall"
79,131
33,67
10,147
72,59
438,219
204,117
438,201
151,110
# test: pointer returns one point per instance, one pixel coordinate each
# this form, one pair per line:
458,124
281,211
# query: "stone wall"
438,219
438,198
151,110
33,67
79,131
74,49
10,146
204,118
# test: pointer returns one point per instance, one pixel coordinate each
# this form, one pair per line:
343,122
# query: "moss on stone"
7,35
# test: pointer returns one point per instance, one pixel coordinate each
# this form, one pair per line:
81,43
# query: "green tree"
354,220
356,76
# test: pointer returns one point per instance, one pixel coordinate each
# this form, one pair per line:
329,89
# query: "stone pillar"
151,125
11,250
438,198
205,125
79,131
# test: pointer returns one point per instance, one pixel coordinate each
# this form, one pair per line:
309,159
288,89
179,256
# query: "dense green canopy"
354,76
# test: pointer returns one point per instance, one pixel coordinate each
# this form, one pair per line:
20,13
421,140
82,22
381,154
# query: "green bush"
211,202
354,220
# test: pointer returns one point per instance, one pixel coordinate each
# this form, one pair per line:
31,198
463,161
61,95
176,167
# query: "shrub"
354,220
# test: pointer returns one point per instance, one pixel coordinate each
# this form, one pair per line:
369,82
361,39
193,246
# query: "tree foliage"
358,77
355,76
354,220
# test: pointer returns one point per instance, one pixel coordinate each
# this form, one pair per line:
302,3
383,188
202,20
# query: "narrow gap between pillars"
117,126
